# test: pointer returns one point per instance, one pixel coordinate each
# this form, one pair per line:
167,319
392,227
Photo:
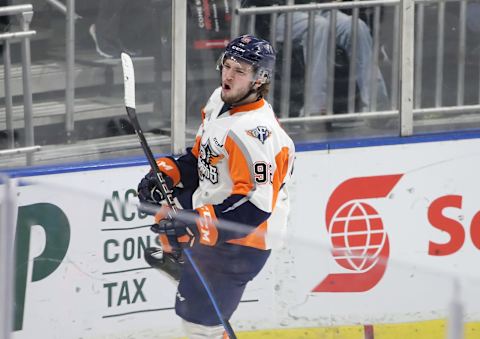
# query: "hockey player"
237,171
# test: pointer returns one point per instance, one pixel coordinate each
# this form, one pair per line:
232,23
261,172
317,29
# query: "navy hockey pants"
227,269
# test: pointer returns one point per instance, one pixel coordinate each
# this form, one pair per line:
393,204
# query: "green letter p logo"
57,238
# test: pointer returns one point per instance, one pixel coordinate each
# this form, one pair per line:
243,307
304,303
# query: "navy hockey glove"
175,234
148,191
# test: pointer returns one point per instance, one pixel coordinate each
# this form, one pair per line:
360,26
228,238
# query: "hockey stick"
129,86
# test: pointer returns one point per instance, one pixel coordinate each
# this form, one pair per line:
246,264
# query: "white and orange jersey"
244,152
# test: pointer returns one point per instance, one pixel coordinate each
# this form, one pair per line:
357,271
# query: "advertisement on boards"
397,231
376,235
80,271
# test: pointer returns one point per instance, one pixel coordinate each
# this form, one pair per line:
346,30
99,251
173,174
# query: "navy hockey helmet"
255,51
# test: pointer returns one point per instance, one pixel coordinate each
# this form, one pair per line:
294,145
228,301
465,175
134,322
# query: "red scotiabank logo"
360,243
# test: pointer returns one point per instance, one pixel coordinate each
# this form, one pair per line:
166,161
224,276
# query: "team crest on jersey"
261,133
207,163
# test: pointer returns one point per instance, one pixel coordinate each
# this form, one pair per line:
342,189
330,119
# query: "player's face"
237,77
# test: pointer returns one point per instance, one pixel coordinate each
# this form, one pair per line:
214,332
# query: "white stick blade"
128,80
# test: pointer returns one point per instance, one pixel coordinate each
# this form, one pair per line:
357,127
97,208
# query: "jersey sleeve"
182,170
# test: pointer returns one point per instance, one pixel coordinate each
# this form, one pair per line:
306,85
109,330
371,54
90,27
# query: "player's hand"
174,234
148,191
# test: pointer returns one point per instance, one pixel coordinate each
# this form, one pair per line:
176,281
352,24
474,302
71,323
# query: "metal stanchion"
7,219
455,314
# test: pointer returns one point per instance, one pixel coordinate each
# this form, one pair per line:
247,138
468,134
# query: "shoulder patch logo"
261,133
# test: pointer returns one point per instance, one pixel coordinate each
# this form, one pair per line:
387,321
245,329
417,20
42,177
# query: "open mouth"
226,87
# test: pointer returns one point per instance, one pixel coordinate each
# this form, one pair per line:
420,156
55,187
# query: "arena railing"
405,97
71,16
178,100
405,84
25,14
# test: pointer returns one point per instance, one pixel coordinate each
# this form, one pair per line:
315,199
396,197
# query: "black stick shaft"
162,185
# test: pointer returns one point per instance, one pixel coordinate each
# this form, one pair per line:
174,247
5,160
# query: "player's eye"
240,71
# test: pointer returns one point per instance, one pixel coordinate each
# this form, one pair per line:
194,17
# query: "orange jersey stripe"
255,239
206,225
239,169
281,161
169,167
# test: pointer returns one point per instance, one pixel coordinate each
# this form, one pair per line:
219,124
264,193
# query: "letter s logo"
357,234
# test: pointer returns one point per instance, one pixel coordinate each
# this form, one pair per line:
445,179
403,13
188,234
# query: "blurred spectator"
318,87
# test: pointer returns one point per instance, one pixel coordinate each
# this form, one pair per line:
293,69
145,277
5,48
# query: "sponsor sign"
375,235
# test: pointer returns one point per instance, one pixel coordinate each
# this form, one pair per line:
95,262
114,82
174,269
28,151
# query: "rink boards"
410,204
